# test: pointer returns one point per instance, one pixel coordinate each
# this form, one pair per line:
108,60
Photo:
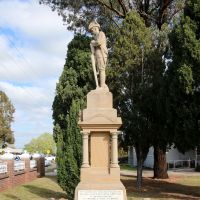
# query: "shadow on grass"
12,196
45,193
52,178
160,189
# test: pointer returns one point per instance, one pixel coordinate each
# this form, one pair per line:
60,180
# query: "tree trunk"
139,174
160,164
141,153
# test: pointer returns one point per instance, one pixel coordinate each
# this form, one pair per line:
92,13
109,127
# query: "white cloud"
35,42
33,109
32,54
26,96
29,17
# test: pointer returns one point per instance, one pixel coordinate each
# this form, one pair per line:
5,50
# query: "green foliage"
157,15
138,78
6,118
43,144
184,78
127,167
74,83
137,74
78,14
69,152
132,83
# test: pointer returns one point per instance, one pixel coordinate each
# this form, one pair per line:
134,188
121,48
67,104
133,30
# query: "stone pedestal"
100,172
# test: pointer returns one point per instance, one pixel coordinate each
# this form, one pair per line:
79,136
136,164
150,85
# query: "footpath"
174,172
149,173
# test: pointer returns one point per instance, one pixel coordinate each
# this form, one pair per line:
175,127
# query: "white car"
50,158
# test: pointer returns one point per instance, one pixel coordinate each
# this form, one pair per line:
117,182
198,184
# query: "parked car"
50,158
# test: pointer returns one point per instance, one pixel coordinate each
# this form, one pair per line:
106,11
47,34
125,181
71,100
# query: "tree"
131,77
183,78
155,109
69,154
42,144
147,84
78,14
155,14
74,83
6,118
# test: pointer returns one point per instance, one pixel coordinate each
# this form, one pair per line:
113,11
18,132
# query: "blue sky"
33,45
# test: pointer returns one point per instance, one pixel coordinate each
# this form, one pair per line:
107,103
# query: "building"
174,158
12,150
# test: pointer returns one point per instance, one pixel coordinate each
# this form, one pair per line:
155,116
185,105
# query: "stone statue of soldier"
99,54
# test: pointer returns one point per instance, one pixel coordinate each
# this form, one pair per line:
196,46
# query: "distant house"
173,156
12,150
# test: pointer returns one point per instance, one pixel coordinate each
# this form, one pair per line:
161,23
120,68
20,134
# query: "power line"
19,68
18,65
19,52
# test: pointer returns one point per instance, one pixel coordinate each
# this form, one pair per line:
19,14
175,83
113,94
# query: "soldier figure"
99,54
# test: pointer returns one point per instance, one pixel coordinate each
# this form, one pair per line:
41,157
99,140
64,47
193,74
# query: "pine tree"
184,79
74,83
132,83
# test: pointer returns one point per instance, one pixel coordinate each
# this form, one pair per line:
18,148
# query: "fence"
3,168
181,164
13,173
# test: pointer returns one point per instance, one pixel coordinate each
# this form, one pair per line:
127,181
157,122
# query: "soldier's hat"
93,24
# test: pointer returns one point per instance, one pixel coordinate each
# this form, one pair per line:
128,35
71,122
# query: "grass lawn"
39,189
127,167
178,187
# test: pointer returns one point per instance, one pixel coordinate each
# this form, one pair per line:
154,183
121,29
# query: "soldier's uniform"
100,51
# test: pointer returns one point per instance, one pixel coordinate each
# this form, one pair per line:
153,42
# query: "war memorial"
100,172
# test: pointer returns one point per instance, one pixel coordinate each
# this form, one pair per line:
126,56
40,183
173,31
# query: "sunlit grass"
39,189
127,167
175,188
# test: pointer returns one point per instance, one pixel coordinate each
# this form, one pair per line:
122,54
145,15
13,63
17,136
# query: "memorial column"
114,149
85,136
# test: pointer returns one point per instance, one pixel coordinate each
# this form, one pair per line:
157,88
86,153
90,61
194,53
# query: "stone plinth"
100,172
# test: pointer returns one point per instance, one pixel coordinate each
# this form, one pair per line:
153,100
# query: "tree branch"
112,9
144,14
121,3
175,12
164,7
162,12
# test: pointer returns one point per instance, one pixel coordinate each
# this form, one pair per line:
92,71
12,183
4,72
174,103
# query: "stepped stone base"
100,172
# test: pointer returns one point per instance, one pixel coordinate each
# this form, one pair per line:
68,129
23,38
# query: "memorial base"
100,172
100,191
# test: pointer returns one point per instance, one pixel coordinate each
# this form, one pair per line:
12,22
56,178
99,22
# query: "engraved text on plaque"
100,195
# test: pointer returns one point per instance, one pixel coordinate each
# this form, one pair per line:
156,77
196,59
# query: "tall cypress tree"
184,79
74,83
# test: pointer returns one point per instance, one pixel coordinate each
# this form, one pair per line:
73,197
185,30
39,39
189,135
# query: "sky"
33,46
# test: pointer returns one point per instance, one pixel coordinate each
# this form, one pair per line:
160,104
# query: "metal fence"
3,168
181,164
33,164
19,165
